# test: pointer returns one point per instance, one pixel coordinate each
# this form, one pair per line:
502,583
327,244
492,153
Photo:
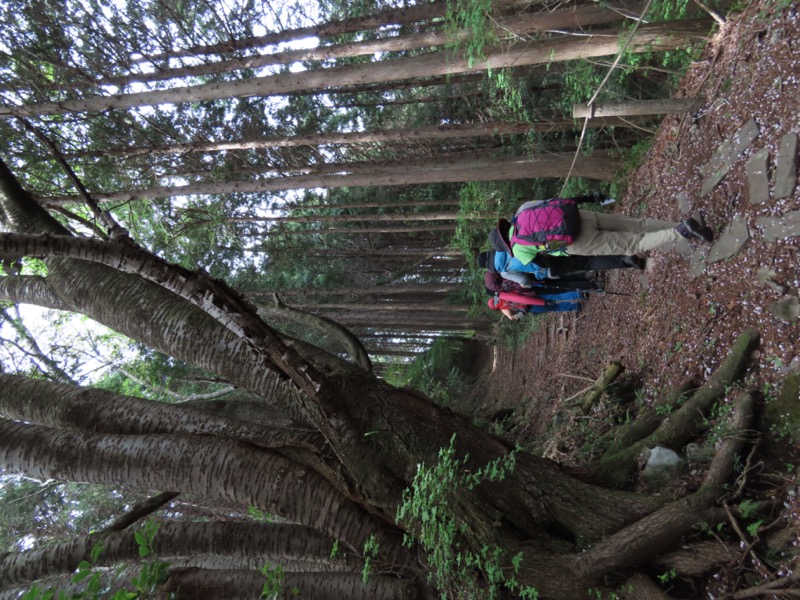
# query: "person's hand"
602,199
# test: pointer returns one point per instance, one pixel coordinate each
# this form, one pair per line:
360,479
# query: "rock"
782,414
663,466
695,453
727,154
777,228
786,310
758,177
731,242
684,204
697,264
785,167
766,276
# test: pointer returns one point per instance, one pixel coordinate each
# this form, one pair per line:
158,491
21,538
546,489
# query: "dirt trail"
680,317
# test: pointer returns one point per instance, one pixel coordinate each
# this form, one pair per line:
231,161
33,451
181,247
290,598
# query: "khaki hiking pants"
603,233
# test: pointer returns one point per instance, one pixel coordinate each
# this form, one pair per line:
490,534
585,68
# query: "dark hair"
486,260
498,238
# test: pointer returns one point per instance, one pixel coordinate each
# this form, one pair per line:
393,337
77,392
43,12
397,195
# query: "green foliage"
474,16
273,581
145,584
753,528
459,567
631,159
668,576
259,515
514,334
144,538
371,547
33,266
747,507
670,10
436,372
34,514
479,209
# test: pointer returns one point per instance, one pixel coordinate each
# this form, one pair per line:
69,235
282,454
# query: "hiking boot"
692,229
635,262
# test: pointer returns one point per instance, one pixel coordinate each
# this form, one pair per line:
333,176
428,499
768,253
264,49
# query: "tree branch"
139,511
351,343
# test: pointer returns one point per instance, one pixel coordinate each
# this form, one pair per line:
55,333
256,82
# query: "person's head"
493,283
499,239
486,260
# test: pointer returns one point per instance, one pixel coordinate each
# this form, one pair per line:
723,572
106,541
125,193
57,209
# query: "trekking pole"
570,289
613,293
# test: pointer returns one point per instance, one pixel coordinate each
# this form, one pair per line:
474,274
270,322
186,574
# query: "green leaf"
753,528
747,508
80,576
97,549
516,562
94,584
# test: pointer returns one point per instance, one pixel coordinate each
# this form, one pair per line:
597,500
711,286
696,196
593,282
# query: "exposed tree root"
644,424
610,373
643,541
778,587
698,558
686,423
641,587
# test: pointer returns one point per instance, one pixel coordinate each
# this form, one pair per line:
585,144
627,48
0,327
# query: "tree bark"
455,169
578,17
436,132
662,36
392,16
196,466
320,326
633,108
354,218
251,543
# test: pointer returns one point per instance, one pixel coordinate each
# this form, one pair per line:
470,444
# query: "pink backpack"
551,224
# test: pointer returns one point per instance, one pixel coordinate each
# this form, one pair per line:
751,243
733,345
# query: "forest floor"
677,320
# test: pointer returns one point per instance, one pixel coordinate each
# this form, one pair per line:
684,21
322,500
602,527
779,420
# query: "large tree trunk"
451,169
353,218
662,36
393,16
566,19
202,467
435,132
249,544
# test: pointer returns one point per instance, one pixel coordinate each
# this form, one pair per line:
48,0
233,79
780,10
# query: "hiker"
496,284
557,226
515,306
544,266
